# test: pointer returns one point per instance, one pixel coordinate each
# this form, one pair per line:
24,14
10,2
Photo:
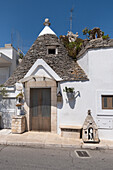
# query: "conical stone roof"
61,63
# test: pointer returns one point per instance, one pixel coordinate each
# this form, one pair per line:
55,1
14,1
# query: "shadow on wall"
6,120
72,101
60,104
5,114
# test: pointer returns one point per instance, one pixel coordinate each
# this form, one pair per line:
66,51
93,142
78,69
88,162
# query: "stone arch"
95,31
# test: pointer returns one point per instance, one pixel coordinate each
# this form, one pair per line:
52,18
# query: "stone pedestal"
18,124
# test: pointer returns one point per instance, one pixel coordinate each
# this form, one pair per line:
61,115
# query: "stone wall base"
71,132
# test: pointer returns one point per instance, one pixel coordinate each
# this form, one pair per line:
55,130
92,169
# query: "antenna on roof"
12,40
72,9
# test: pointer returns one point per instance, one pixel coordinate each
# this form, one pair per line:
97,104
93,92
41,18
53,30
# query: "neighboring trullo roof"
61,63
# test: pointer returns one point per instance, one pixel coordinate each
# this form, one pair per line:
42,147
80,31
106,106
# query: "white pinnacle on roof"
47,29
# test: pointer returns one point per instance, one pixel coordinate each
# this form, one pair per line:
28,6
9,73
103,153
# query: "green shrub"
105,37
86,31
3,91
73,48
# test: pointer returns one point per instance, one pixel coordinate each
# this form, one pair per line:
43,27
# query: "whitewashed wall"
74,111
7,51
98,64
8,69
7,108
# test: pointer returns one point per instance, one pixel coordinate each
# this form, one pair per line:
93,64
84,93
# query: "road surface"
29,158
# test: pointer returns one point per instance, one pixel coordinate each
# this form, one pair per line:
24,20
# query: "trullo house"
57,91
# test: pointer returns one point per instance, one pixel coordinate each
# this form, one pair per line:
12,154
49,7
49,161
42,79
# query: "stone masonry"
93,44
40,83
61,63
18,124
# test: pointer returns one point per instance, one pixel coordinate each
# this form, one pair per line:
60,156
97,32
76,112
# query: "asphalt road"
24,158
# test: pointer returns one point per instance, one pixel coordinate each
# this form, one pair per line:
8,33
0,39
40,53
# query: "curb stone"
95,147
40,145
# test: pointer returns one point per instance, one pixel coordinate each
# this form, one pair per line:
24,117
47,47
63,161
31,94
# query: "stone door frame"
42,83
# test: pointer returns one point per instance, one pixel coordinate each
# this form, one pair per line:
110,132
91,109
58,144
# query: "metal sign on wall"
104,123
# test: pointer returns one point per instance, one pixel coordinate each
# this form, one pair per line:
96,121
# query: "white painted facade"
8,107
8,62
98,65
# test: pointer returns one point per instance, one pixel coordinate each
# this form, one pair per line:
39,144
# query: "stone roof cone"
47,29
63,65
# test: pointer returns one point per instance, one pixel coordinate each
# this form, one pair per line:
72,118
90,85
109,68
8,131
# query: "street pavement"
46,139
33,158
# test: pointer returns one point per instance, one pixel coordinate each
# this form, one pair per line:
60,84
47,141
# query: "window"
51,51
107,102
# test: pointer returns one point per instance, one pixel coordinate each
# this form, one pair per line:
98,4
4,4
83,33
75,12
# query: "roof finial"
47,23
89,112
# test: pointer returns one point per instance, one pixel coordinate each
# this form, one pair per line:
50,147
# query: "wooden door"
40,109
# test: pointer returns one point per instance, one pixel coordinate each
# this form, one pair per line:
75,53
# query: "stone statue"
95,33
72,37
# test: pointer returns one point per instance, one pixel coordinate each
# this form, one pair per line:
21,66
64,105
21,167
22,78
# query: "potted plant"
20,95
3,91
19,108
19,104
70,92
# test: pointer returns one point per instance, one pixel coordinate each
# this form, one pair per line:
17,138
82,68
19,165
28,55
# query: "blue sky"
22,20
